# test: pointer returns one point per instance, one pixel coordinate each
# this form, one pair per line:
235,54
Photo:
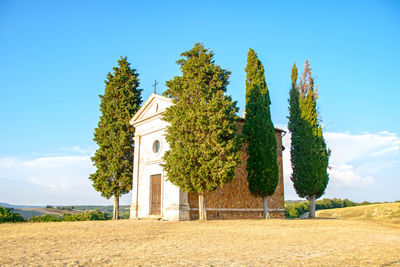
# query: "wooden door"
155,193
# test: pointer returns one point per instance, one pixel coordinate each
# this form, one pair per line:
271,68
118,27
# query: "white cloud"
53,173
354,148
359,164
358,160
53,180
345,175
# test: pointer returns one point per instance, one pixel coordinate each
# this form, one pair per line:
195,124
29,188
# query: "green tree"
6,215
309,153
114,157
259,132
202,131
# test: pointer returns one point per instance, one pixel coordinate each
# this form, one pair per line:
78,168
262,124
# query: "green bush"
294,210
69,208
86,216
6,215
124,215
45,218
291,211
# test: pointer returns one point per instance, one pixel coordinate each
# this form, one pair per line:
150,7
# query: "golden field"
385,213
322,242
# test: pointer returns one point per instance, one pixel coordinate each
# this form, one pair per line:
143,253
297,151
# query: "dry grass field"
385,213
320,242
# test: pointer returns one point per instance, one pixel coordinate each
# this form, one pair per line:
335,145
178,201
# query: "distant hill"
27,211
30,212
386,212
108,208
12,206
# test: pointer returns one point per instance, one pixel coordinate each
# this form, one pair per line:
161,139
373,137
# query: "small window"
156,146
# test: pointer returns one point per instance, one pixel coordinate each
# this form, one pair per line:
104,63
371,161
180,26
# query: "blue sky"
55,56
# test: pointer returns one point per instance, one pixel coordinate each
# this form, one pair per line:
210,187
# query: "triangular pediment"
155,104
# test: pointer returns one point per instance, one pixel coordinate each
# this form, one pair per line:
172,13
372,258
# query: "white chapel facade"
152,194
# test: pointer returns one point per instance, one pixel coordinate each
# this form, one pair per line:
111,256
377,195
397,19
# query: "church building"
155,197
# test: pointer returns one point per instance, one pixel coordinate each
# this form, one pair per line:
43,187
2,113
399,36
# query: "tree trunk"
116,208
311,214
266,208
202,207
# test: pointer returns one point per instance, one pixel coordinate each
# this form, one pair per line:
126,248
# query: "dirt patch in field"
239,242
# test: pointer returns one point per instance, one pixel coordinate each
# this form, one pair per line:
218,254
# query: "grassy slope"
387,213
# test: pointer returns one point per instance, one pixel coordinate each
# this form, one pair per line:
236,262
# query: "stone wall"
234,200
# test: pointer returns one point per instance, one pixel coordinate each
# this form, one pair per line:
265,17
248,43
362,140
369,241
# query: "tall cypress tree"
114,157
309,153
202,126
259,132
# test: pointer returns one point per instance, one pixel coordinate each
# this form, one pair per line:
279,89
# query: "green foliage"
202,125
295,209
6,215
86,216
365,203
259,131
309,154
45,218
69,208
114,157
291,211
124,215
334,203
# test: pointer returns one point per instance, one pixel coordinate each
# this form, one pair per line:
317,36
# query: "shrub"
95,215
291,211
348,203
124,215
45,218
69,208
6,215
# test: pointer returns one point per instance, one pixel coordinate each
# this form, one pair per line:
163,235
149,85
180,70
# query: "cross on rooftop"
155,86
